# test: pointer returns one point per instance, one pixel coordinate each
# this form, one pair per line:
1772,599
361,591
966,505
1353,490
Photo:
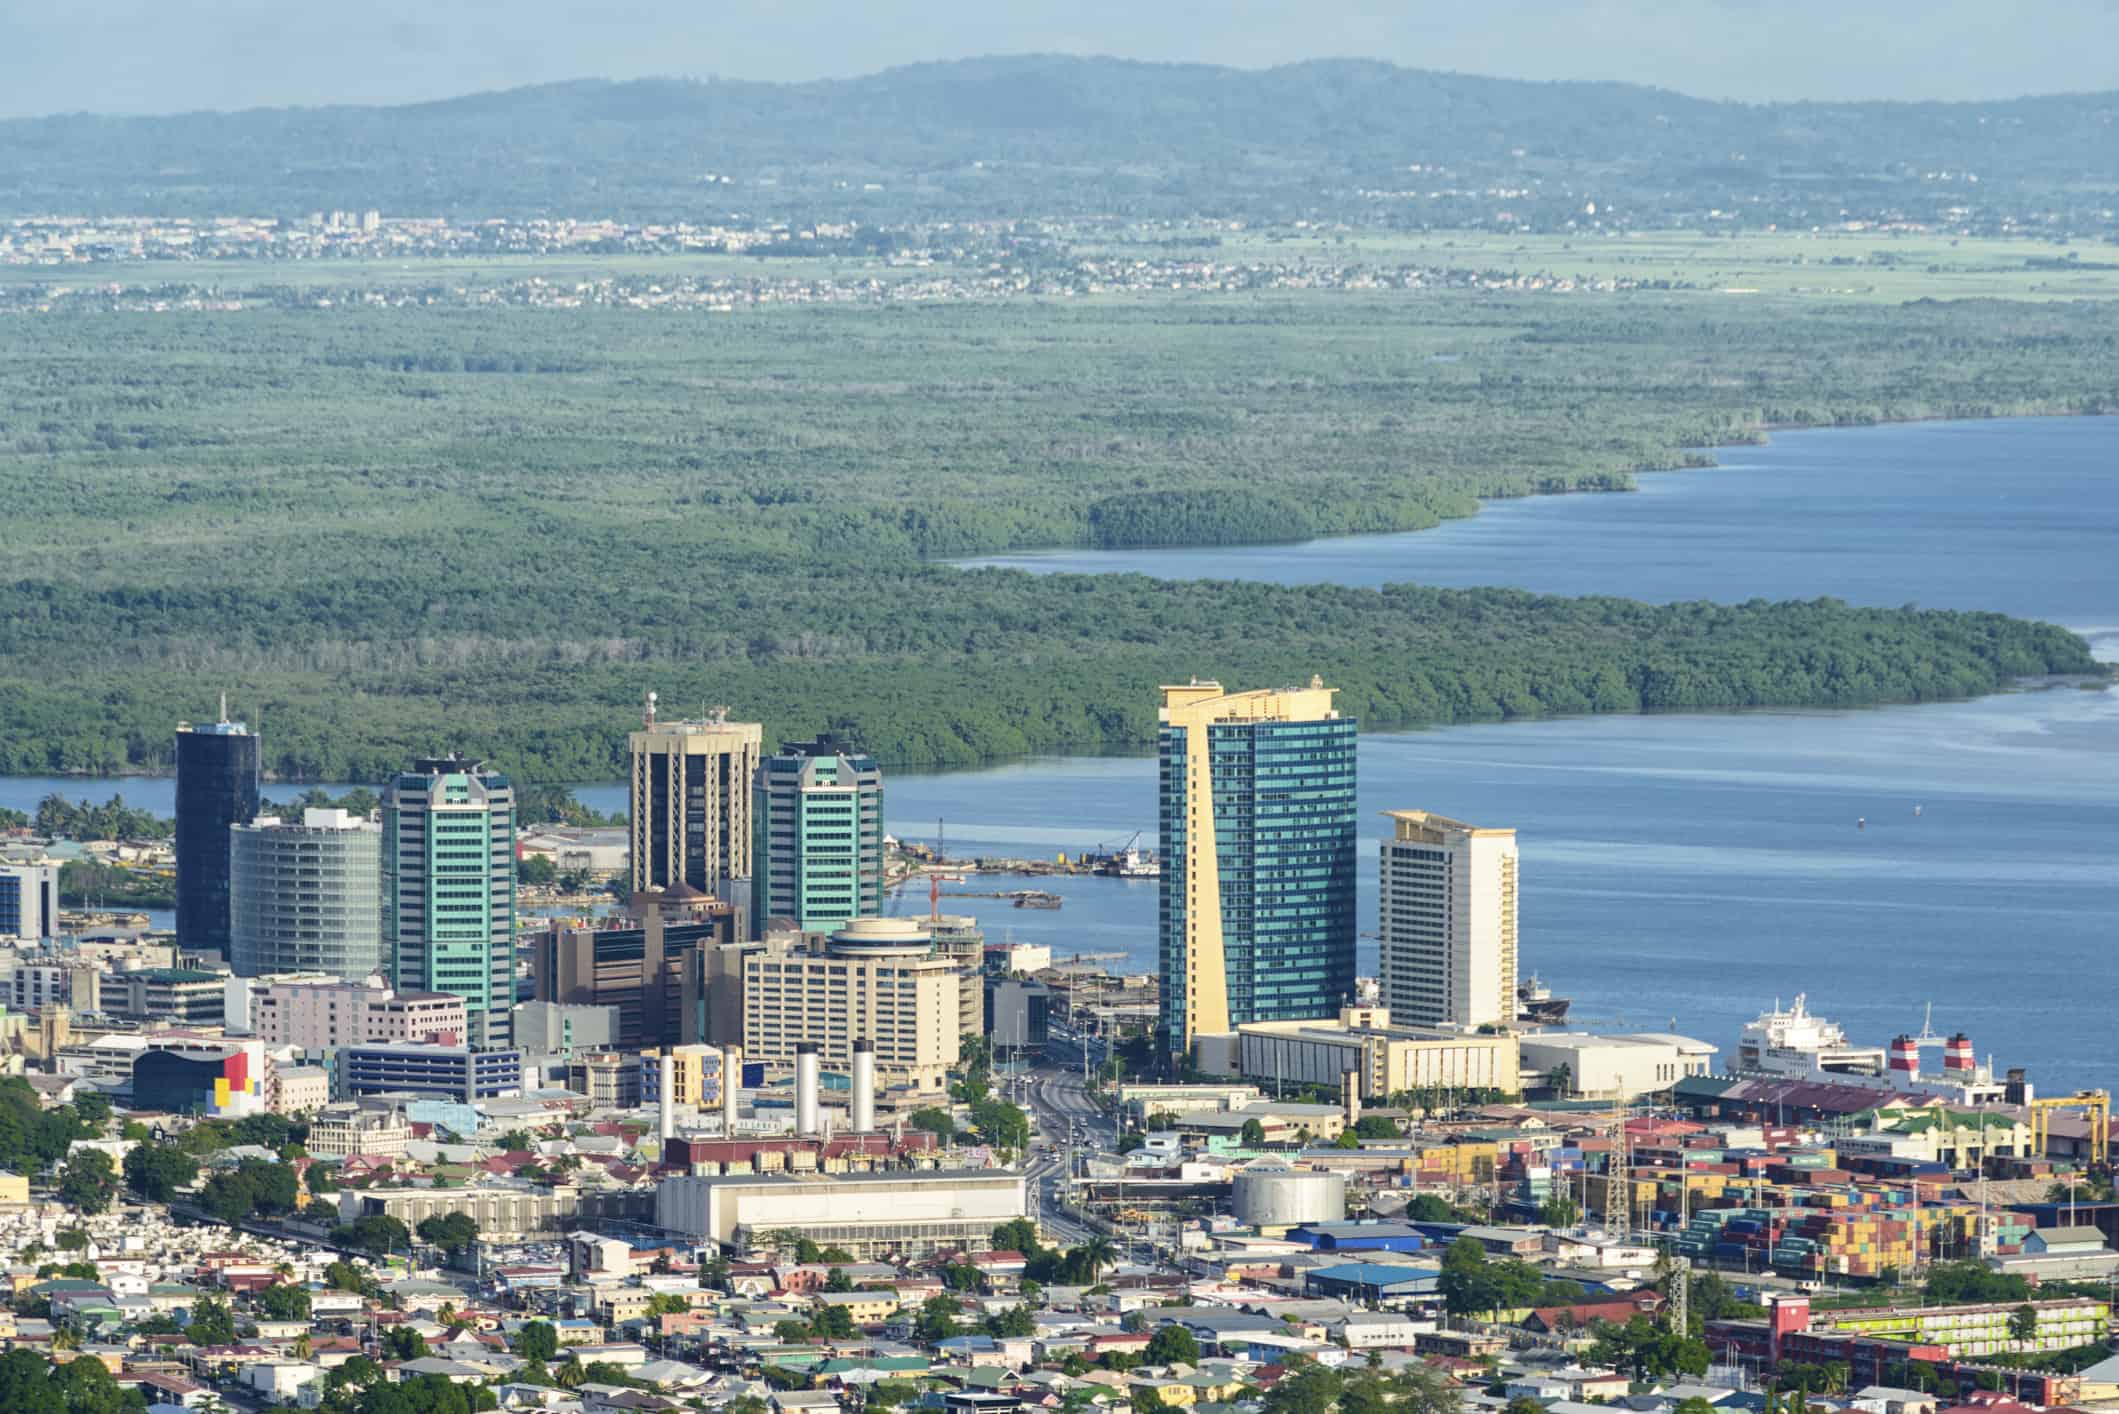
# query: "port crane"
2095,1104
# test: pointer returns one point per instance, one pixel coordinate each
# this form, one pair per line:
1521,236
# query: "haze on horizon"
160,56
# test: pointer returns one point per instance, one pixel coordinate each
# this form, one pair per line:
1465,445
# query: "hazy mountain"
1045,135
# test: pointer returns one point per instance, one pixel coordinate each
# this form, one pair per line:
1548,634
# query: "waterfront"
1688,869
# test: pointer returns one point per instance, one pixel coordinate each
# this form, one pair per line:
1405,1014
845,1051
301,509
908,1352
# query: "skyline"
124,57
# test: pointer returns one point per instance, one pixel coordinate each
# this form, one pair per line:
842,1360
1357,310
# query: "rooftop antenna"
224,709
652,699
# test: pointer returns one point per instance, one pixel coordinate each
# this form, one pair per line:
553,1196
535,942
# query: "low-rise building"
1389,1059
297,1089
341,1131
499,1211
442,1072
890,1212
1576,1065
318,1016
179,996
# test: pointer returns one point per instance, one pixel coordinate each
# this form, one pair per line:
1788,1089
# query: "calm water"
2019,515
1688,869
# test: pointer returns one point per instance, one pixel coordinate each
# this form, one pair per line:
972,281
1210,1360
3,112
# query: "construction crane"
2097,1104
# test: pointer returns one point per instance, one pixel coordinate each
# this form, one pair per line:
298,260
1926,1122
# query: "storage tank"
1269,1193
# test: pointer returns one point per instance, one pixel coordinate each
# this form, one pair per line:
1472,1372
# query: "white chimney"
864,1086
666,1068
731,1082
806,1109
1350,1095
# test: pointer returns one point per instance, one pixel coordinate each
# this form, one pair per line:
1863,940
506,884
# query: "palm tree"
302,1346
1097,1253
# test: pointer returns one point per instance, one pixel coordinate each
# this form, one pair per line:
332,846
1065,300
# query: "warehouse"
1374,1282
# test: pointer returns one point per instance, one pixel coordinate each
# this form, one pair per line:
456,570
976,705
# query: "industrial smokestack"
731,1082
806,1108
864,1086
1350,1095
1905,1059
1958,1061
666,1070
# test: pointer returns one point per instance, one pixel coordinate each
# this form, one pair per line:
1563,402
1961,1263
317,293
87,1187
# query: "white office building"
1448,921
306,896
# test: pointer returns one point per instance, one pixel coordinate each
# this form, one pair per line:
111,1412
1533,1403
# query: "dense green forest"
1046,135
381,536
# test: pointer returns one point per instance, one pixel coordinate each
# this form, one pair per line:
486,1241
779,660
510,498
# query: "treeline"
377,563
1072,663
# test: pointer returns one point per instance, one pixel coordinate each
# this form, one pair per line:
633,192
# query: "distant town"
435,1099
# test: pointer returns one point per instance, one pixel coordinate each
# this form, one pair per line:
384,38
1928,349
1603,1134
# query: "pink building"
318,1015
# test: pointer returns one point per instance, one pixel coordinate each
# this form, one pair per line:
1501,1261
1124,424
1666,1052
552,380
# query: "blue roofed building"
1359,1237
1374,1281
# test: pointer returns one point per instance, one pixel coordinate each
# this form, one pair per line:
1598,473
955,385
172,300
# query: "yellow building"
866,1308
1285,781
1446,921
1389,1058
14,1188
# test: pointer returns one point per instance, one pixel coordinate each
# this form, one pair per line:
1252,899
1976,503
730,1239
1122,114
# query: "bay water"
1683,871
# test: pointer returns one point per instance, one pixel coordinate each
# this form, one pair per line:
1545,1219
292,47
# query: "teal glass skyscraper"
448,883
1257,916
817,827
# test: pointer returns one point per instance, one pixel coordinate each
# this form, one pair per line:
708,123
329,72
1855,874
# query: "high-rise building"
647,969
448,871
817,823
1257,812
1448,921
217,786
691,802
29,901
307,896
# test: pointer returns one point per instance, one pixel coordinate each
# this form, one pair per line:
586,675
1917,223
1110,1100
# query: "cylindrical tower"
864,1086
666,1070
731,1082
1957,1057
306,896
807,1114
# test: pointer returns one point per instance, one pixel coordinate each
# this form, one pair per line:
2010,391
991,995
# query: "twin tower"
1257,918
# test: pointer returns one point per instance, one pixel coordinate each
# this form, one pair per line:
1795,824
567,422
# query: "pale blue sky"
138,56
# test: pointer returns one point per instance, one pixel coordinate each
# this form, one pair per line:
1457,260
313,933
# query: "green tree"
88,1182
1559,1212
2023,1323
836,1280
937,1122
452,1232
937,1319
211,1323
403,1343
1172,1344
1017,1235
537,1340
284,1302
833,1322
1096,1254
1252,1135
157,1171
536,869
379,1233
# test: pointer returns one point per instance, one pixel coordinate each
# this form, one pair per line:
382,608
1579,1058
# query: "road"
1068,1122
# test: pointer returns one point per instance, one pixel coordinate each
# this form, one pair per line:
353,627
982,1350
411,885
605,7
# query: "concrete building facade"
317,1016
440,1072
1387,1059
648,968
1256,919
910,1213
29,901
817,822
691,785
1447,921
448,877
877,978
306,897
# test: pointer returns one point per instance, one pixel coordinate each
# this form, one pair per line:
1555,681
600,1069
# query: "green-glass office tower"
817,836
449,888
1257,916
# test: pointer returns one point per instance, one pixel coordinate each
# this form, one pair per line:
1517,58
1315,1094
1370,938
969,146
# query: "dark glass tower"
1257,917
217,787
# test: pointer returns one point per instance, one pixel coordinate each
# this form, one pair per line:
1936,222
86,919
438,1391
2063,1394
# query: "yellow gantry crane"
2096,1104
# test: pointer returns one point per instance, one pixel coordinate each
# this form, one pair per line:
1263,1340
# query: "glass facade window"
1282,810
217,787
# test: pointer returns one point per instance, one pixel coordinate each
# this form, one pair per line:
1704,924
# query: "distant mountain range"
1046,135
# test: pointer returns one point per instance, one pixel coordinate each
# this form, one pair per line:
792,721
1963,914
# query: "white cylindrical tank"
863,1109
731,1082
807,1115
1269,1193
666,1071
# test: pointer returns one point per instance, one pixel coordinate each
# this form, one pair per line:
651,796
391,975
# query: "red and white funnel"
1905,1058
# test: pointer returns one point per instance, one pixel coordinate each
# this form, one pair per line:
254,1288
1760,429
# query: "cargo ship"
1796,1044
